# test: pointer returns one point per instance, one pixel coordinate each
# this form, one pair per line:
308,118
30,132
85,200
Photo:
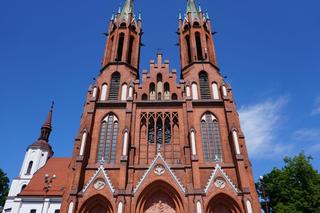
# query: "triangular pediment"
159,168
220,180
100,174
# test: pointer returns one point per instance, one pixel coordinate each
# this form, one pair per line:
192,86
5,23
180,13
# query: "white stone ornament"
220,183
99,184
159,170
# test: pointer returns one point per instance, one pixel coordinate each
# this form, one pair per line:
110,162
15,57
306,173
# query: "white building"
41,181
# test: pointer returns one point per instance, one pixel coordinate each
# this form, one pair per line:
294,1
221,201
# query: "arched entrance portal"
223,204
159,197
96,204
160,202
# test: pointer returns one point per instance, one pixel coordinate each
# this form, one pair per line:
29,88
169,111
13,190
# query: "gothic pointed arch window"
211,140
199,46
114,86
159,131
120,47
129,59
151,128
167,130
152,91
188,48
108,139
159,86
167,91
204,85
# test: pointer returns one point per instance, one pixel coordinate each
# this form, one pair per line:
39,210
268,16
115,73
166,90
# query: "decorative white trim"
225,176
106,177
159,156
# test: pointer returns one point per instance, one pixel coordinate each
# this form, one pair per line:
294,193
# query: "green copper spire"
127,9
192,8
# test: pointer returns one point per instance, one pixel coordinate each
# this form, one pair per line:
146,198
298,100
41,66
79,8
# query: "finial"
180,16
112,17
52,106
207,15
139,16
200,10
119,10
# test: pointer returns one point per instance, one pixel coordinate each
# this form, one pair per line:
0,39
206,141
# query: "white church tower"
35,158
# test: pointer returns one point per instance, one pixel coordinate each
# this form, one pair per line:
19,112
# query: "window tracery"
211,138
108,139
161,126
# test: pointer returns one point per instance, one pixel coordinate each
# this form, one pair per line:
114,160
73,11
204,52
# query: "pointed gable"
100,173
220,180
159,169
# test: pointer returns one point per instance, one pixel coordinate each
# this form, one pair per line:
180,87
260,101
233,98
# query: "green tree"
295,188
4,187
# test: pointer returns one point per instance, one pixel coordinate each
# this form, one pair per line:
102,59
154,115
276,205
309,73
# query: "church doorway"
97,204
160,202
223,204
159,197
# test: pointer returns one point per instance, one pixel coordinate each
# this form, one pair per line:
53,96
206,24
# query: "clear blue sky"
51,50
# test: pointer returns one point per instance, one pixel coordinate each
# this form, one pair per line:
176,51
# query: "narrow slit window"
199,46
120,47
129,60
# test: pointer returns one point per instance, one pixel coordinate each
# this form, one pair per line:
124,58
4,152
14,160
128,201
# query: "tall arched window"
151,130
211,140
120,47
159,131
130,50
152,91
104,90
124,92
167,130
188,48
29,168
194,91
199,46
166,91
114,86
159,85
33,211
215,91
204,85
108,139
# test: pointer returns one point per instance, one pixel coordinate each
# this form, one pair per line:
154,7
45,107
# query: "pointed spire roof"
127,9
48,122
192,9
43,141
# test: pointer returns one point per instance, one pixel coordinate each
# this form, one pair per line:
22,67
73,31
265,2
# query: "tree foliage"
4,187
295,188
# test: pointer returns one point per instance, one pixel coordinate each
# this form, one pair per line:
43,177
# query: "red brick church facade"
158,145
165,143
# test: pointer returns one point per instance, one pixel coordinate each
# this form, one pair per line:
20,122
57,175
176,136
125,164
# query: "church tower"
160,144
36,157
